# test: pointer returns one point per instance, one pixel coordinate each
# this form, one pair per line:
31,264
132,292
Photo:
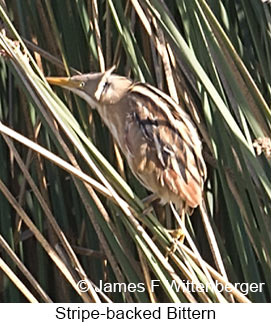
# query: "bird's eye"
82,84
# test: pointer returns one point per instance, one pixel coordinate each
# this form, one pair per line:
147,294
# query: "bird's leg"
177,234
147,201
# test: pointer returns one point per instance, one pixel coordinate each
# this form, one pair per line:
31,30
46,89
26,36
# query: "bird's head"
96,88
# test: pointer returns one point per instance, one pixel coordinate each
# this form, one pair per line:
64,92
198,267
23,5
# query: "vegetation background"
71,210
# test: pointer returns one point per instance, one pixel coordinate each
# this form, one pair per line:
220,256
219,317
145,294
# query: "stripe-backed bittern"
158,139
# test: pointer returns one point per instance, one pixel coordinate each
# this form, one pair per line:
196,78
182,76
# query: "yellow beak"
64,82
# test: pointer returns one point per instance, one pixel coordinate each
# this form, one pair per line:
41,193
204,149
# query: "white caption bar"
33,313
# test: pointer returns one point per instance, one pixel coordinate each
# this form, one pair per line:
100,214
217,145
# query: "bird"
156,136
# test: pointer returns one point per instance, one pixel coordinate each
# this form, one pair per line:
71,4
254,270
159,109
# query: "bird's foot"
178,238
177,234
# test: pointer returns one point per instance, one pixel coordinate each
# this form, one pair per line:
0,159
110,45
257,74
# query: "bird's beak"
64,82
78,81
76,84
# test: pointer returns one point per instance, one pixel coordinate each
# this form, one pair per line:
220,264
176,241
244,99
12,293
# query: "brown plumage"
158,139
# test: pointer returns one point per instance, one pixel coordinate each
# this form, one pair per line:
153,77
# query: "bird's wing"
172,143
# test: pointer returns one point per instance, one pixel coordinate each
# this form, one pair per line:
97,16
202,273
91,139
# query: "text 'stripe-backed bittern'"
158,139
